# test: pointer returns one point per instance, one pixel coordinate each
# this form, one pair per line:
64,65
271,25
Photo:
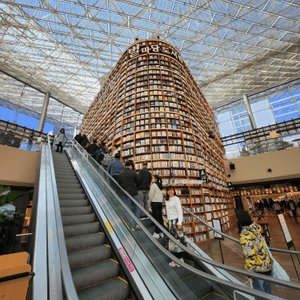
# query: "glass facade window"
233,118
24,117
276,105
273,106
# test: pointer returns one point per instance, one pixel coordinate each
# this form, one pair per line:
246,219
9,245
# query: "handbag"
178,235
277,270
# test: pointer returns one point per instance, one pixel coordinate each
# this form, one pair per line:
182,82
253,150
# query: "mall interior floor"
232,251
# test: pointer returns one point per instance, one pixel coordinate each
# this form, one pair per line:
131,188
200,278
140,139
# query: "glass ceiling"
68,47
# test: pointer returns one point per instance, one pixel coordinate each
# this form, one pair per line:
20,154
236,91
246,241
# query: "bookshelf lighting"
151,106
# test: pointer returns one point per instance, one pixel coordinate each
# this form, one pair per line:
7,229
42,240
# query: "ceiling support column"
44,112
250,113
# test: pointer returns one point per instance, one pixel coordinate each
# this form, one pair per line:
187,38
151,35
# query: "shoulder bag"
277,270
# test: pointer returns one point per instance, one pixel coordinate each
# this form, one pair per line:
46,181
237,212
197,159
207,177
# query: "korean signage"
216,223
202,173
230,186
126,259
285,230
139,49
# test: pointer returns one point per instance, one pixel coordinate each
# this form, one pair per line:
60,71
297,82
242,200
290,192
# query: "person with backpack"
255,251
92,148
78,138
106,159
129,180
115,167
84,141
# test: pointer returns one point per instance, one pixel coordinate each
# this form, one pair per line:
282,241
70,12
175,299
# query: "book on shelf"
200,228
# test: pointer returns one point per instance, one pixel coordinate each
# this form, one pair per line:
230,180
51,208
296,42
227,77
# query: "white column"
252,120
44,112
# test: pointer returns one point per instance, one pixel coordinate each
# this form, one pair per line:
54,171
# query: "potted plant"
8,216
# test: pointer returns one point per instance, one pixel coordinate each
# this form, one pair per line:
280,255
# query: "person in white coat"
175,218
156,199
60,138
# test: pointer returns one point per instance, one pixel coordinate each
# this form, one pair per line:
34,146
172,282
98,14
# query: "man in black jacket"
92,148
128,180
145,178
78,138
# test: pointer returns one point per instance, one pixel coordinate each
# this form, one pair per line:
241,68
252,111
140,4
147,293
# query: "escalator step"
67,181
89,255
63,177
80,229
78,219
95,273
62,167
115,289
214,296
73,203
68,185
71,191
87,240
147,223
67,174
68,211
63,196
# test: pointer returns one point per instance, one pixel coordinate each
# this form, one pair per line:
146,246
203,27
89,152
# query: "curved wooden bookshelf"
152,107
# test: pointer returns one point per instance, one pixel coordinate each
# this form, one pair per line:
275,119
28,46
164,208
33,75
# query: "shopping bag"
291,214
178,235
277,270
279,273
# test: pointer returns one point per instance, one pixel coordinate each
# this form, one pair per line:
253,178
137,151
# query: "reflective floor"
232,251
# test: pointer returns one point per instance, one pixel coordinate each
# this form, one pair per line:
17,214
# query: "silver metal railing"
238,287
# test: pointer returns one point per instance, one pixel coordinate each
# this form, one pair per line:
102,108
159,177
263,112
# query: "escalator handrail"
239,287
67,280
166,233
136,280
39,252
234,239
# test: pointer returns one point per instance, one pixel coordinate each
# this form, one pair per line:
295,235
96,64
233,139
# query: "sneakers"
156,235
132,230
161,235
174,264
144,218
137,227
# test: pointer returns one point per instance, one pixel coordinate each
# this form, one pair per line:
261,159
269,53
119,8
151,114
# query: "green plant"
7,196
10,196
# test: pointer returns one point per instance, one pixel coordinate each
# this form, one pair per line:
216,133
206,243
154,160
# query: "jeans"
60,145
135,209
157,214
263,286
144,200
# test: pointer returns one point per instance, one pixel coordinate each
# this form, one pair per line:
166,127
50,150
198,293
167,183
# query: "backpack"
106,159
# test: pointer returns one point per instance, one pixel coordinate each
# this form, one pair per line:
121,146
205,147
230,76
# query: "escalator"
183,283
95,271
89,199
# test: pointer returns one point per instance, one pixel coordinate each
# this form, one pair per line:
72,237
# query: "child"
175,217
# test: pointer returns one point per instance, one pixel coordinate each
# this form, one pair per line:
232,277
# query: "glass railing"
175,278
20,137
250,148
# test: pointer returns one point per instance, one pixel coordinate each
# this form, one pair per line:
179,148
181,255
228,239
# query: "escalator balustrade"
96,272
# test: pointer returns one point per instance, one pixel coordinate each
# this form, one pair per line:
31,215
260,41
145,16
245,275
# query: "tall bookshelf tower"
152,108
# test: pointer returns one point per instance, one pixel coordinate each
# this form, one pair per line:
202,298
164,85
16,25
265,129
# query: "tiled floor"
233,254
